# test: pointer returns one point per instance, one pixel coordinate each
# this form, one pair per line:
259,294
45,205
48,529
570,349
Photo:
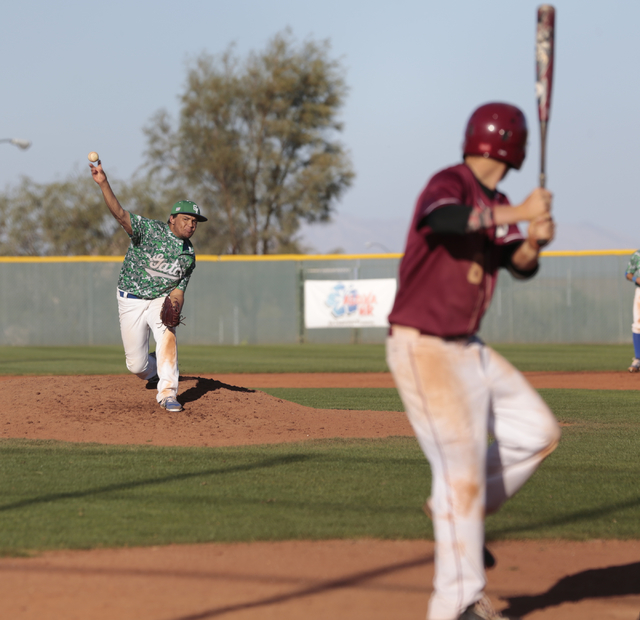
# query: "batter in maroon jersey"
456,390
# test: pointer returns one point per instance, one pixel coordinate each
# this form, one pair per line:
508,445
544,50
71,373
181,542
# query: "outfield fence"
577,297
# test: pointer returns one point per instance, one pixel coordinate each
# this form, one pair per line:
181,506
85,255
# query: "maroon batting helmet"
499,131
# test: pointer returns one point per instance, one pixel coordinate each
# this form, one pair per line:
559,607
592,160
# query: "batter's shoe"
635,365
483,610
488,558
171,404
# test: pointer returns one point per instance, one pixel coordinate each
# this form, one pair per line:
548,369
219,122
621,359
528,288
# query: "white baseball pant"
635,326
455,392
139,317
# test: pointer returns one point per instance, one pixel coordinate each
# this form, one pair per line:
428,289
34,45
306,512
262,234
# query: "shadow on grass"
124,486
204,386
575,517
594,583
350,581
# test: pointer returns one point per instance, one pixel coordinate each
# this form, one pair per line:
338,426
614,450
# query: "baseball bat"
545,37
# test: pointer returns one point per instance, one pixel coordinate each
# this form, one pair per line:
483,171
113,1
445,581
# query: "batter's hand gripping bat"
544,78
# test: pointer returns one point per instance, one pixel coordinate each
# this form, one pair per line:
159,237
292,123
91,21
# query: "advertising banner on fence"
348,303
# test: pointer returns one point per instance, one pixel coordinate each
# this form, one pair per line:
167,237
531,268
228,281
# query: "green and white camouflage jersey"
157,261
634,264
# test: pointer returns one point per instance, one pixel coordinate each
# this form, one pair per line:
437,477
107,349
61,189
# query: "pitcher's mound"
118,409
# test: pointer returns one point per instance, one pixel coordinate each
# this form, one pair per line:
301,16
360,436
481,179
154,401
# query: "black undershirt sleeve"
448,219
454,219
507,263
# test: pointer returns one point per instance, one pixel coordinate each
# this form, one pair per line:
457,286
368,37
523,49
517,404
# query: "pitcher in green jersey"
159,262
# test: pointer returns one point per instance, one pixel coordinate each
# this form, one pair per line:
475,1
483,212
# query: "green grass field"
293,358
62,495
56,495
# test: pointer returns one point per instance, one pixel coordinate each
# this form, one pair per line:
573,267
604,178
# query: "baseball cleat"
488,558
635,365
483,610
152,383
171,404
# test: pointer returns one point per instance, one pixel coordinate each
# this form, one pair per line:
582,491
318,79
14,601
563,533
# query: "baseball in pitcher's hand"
536,204
542,228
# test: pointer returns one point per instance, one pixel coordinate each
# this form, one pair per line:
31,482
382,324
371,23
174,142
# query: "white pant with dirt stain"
456,392
139,317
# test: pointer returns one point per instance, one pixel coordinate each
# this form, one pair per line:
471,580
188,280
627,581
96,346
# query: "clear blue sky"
81,75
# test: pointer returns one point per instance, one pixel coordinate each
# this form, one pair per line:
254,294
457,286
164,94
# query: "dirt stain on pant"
446,400
168,349
167,359
465,496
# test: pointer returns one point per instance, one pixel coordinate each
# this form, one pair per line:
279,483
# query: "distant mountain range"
588,236
352,235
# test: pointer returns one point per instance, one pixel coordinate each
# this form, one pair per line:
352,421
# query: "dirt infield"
556,580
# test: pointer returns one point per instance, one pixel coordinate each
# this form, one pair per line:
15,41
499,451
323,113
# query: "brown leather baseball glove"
170,313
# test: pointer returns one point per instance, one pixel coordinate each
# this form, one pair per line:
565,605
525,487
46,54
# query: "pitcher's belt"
128,295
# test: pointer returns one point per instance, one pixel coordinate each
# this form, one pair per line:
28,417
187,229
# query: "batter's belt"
412,331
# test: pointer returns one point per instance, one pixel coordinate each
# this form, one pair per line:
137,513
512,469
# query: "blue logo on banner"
342,300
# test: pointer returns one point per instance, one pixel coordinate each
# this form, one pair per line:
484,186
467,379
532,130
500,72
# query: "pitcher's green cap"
188,208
